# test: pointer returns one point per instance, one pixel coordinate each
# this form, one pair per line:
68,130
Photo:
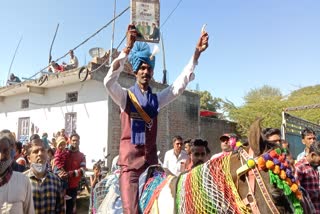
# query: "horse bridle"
254,175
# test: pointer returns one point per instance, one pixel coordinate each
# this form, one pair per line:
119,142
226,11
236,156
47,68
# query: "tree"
265,102
268,102
207,102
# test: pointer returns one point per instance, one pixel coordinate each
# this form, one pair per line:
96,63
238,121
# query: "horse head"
284,202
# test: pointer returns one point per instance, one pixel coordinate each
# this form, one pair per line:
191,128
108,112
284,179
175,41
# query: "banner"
145,16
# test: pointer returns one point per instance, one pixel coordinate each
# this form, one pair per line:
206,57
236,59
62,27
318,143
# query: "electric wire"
94,34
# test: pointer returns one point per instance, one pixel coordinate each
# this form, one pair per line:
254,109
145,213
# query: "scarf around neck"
149,103
6,176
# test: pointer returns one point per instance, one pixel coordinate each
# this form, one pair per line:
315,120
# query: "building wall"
211,129
47,113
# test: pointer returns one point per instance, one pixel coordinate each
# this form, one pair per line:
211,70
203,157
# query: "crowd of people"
40,176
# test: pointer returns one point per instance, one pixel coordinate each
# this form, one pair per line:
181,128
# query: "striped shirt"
309,180
48,196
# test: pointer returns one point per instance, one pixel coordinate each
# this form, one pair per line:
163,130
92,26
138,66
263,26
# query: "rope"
209,188
94,34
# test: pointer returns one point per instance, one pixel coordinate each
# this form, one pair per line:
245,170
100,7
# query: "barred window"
25,103
72,97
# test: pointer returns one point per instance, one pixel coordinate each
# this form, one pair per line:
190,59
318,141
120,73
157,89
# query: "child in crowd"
50,159
60,157
96,177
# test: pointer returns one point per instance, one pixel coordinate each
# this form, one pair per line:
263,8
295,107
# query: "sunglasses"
197,154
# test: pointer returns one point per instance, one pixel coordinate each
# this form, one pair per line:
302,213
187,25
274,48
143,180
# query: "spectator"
73,63
46,186
25,148
308,136
53,143
75,167
96,177
19,156
307,174
13,80
15,188
55,67
63,134
175,159
198,153
224,144
60,157
34,136
272,135
15,166
50,161
187,146
45,140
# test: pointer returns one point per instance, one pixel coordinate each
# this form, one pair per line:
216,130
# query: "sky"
252,43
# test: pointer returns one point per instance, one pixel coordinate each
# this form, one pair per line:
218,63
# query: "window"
25,103
70,123
23,129
72,97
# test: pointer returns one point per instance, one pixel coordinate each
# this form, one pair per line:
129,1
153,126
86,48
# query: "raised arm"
173,91
114,89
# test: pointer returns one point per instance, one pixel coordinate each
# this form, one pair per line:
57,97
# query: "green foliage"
207,102
268,103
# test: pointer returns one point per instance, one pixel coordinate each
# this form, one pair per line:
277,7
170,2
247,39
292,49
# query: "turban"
141,53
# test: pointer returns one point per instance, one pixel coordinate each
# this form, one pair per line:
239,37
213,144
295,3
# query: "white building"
61,102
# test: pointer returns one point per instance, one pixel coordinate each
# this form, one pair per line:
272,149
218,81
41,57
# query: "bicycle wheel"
83,74
42,79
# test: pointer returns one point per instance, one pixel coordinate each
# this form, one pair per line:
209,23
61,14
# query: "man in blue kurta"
138,148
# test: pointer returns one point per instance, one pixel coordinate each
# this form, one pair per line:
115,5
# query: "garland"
281,176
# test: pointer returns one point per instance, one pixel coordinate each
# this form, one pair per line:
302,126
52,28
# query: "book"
145,16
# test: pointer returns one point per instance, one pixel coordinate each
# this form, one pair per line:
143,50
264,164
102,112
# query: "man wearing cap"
139,109
225,146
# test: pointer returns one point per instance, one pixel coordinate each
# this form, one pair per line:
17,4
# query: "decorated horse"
254,179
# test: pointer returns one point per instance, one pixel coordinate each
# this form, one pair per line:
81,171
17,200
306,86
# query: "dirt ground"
83,202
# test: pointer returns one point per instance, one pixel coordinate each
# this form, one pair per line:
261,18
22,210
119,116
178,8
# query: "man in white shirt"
73,62
15,188
138,113
175,159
